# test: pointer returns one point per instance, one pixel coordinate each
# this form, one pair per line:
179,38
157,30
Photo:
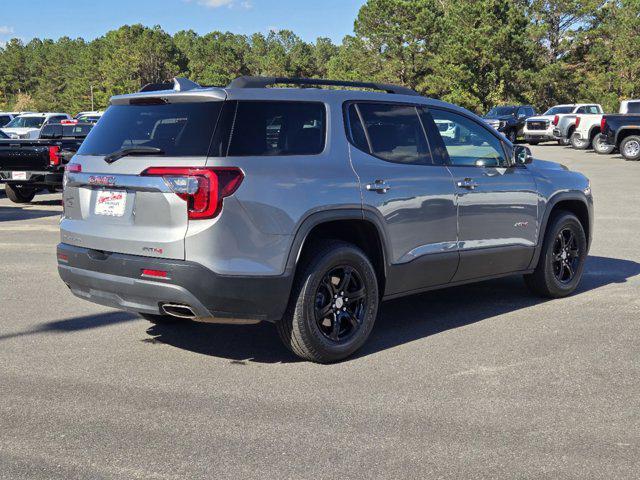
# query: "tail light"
54,156
202,188
603,124
556,119
73,168
577,122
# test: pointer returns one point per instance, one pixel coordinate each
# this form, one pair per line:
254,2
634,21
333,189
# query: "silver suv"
307,207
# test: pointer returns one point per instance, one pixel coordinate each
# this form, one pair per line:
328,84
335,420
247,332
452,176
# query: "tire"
559,268
578,143
600,146
564,142
512,135
19,194
321,277
533,142
160,319
630,147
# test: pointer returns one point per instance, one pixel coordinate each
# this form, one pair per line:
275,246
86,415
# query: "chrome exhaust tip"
178,310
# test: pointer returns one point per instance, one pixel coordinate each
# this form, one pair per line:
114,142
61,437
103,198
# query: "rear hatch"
110,203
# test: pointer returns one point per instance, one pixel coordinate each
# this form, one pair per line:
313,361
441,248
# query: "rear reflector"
577,122
556,119
154,273
63,257
73,168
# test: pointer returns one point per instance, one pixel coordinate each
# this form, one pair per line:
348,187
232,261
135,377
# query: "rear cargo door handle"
379,186
467,184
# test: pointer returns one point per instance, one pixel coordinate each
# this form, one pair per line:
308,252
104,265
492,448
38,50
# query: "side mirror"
521,155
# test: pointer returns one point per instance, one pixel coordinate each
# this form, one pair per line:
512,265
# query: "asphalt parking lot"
481,381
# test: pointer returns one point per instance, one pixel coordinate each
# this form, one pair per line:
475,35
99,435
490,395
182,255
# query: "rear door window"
633,107
178,129
393,132
263,128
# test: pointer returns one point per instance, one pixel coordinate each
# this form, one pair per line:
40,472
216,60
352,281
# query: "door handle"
468,184
379,186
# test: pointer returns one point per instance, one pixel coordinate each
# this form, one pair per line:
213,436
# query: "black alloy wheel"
340,303
566,256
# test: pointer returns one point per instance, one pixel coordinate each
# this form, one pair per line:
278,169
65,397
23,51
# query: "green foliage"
476,53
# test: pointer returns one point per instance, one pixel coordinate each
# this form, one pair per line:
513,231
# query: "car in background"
589,132
5,117
27,166
89,117
28,125
622,131
541,128
509,119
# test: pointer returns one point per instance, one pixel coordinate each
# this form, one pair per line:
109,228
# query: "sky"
26,19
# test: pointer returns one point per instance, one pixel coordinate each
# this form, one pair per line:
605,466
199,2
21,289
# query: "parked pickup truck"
622,131
509,119
544,128
588,131
27,166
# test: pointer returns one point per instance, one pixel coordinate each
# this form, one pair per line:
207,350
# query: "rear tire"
564,142
561,263
601,146
533,142
630,148
322,324
579,143
19,194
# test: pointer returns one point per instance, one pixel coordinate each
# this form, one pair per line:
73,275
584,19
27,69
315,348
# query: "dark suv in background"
509,119
307,207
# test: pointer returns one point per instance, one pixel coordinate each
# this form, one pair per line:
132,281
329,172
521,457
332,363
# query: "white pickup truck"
541,128
587,131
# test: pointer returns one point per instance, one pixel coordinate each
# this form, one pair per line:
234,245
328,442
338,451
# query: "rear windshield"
26,122
57,130
559,110
633,107
179,129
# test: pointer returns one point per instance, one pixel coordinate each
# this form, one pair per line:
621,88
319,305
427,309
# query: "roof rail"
178,84
264,82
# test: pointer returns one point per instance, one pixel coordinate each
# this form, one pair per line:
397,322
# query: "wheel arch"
573,202
626,131
359,227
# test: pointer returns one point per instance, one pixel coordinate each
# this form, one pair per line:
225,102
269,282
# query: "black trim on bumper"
115,279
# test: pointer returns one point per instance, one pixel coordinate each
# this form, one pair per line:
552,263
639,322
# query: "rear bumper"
38,178
115,280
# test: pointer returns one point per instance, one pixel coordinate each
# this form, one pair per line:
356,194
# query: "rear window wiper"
112,157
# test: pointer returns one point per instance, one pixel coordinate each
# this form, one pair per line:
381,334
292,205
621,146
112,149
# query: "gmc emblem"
102,180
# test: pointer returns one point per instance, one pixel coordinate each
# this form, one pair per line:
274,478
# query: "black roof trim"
264,82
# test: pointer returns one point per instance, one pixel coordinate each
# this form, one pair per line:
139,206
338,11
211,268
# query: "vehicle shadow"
13,214
400,321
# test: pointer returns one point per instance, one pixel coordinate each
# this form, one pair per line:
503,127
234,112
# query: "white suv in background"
540,129
28,126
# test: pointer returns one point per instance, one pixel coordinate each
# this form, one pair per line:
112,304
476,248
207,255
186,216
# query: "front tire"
630,148
562,259
600,145
19,194
579,143
334,303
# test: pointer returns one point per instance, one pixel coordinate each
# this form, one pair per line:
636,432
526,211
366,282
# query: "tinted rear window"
66,131
278,128
633,107
179,129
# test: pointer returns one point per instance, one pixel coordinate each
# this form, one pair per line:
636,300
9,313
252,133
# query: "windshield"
178,129
559,110
25,122
499,111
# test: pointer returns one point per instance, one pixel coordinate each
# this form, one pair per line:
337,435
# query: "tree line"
475,53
